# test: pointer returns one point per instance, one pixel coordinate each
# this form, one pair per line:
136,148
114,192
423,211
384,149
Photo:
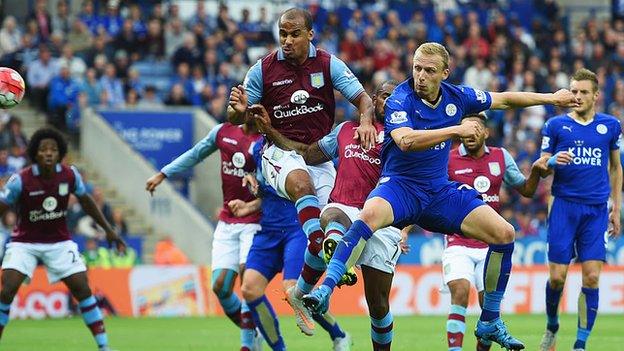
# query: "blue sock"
248,327
266,320
346,253
552,307
313,269
329,323
230,303
5,310
93,318
381,331
496,275
587,312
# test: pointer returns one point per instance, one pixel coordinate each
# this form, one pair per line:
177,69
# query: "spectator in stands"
42,18
90,18
6,170
138,24
167,253
177,97
202,16
478,75
113,87
149,100
174,36
122,64
225,23
91,87
119,223
63,95
128,40
132,99
74,213
79,38
10,36
96,256
198,81
188,53
134,82
13,136
77,66
112,21
40,73
99,48
61,21
154,48
125,259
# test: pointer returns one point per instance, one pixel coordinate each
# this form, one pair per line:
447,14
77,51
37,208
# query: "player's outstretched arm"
241,208
312,154
408,139
237,106
508,99
615,177
90,208
538,168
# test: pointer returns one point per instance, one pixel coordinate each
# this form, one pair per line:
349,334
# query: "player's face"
584,91
295,38
428,72
48,153
474,144
379,100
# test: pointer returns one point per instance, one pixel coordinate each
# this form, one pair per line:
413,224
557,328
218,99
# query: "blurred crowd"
144,54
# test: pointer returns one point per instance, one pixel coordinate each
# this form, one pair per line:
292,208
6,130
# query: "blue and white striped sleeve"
253,83
12,190
79,187
195,155
344,80
513,176
329,143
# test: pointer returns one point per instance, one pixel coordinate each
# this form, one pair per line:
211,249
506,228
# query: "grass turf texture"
189,334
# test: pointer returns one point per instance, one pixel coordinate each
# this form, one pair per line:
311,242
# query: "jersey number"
73,256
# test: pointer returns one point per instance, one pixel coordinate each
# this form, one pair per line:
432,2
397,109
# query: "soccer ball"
12,88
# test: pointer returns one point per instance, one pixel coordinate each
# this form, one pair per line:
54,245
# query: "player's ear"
445,73
311,34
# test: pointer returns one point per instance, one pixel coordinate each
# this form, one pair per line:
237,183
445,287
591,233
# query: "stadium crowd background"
144,54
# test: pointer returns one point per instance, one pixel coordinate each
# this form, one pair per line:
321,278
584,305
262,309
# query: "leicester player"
484,168
358,172
421,117
584,150
40,193
296,86
233,234
278,247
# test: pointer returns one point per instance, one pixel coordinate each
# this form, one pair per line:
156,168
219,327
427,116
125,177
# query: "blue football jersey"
405,109
586,178
278,214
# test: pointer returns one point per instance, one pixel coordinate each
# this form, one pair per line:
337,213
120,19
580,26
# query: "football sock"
381,332
248,327
309,212
230,303
456,327
347,252
92,317
335,230
497,270
329,323
266,320
587,312
552,306
4,315
313,268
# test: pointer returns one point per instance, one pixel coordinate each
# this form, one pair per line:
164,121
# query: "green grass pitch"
217,333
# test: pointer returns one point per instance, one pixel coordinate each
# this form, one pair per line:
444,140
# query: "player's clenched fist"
469,129
565,98
238,99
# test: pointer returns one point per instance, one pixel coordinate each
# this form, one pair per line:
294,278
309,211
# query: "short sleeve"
513,177
198,153
475,100
344,80
616,140
12,190
396,114
549,139
253,83
79,186
329,143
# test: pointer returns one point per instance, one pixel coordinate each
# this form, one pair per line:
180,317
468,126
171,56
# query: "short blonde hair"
432,48
585,74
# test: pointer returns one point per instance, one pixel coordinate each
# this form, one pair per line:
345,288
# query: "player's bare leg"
554,288
78,285
587,302
483,223
377,213
11,281
335,224
265,318
377,285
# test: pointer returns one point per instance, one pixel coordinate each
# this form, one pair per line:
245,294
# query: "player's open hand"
114,239
154,181
614,222
238,99
261,117
367,135
239,208
565,98
470,129
250,181
403,244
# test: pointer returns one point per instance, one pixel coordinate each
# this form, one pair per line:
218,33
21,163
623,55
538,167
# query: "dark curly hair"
46,133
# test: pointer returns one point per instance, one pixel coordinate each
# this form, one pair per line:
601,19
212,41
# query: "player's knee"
557,281
591,280
370,216
81,292
251,291
505,235
298,184
378,309
219,288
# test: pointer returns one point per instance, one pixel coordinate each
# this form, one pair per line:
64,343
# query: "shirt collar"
311,53
464,152
36,172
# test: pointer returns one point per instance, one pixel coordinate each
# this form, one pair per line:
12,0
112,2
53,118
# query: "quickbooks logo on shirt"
398,117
